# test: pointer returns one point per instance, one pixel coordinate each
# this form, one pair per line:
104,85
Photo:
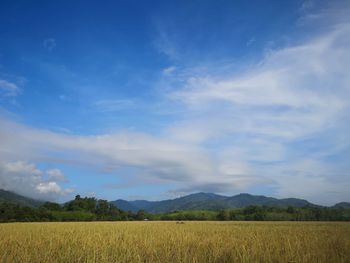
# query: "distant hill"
243,200
342,205
7,196
208,201
125,205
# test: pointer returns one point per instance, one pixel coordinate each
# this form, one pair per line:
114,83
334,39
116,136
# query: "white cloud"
48,187
292,105
56,175
8,88
26,179
294,92
155,159
168,71
190,168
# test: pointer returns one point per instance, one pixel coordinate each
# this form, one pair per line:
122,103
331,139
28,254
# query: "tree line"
92,209
79,209
264,213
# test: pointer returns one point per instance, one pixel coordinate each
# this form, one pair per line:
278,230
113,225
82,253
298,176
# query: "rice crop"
174,242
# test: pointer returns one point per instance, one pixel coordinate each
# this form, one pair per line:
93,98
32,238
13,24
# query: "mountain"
125,205
199,201
208,201
7,196
243,200
342,205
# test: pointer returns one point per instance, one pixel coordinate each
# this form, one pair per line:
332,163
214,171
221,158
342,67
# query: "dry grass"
171,242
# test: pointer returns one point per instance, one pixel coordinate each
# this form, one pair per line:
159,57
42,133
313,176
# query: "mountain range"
197,201
210,201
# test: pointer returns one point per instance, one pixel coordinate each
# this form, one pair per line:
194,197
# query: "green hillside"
7,196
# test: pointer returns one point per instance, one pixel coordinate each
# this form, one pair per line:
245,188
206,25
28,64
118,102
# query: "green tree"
223,215
141,215
52,206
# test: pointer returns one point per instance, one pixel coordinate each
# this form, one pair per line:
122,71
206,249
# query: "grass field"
172,242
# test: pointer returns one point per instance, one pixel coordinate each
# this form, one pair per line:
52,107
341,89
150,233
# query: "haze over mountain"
342,205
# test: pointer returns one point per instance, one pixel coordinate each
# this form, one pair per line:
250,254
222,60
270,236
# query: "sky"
159,99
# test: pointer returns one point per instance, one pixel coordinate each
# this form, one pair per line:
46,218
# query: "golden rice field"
172,242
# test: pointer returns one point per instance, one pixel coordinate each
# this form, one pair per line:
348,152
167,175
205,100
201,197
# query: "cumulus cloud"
25,178
48,187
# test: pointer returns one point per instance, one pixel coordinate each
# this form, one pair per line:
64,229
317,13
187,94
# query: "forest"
92,209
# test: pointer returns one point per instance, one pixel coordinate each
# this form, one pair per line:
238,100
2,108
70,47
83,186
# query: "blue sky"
157,99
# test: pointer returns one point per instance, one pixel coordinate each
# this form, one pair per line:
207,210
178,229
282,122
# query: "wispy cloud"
164,43
168,71
251,41
8,89
260,117
294,92
56,175
49,44
111,105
